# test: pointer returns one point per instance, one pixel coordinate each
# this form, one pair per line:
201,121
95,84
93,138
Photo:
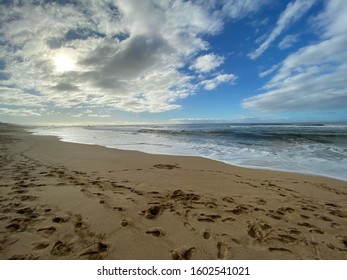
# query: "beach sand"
70,201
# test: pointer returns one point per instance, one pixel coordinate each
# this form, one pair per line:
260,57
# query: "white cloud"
237,9
18,112
76,115
288,41
269,71
16,97
207,62
221,78
125,54
99,116
314,77
293,12
238,119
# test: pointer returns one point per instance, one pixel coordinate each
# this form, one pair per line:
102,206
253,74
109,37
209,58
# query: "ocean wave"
311,149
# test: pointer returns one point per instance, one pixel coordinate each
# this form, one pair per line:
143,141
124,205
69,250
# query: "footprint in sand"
208,217
26,210
211,205
338,213
259,231
156,231
47,230
206,234
78,225
324,218
3,218
261,201
304,216
222,250
153,212
227,219
184,196
26,198
305,208
167,166
335,225
313,229
228,199
137,192
332,205
153,192
60,220
274,216
284,210
182,253
239,210
304,224
273,249
94,251
189,226
40,246
13,227
228,239
61,249
24,257
288,239
342,239
19,192
317,230
294,231
154,203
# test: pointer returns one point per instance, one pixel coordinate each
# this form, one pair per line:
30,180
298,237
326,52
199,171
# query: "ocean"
319,149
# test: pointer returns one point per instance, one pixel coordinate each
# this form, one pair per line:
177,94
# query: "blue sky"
127,61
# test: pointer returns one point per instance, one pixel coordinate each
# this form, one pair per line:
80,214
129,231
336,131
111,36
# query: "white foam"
312,158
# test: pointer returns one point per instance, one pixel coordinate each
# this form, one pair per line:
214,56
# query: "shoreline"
63,200
309,173
213,159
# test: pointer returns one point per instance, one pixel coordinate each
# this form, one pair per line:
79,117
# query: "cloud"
221,78
288,41
65,87
99,116
314,77
293,12
123,54
236,9
207,62
18,112
237,120
269,71
15,97
199,120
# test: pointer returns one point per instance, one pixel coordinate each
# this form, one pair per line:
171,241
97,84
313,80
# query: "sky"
169,61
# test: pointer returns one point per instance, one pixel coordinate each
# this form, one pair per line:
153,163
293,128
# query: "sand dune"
69,201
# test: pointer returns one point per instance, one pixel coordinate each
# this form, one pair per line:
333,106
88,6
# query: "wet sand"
71,201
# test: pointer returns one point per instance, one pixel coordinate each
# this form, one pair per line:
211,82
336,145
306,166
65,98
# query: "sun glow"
63,63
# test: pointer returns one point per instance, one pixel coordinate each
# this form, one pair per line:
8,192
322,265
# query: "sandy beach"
71,201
